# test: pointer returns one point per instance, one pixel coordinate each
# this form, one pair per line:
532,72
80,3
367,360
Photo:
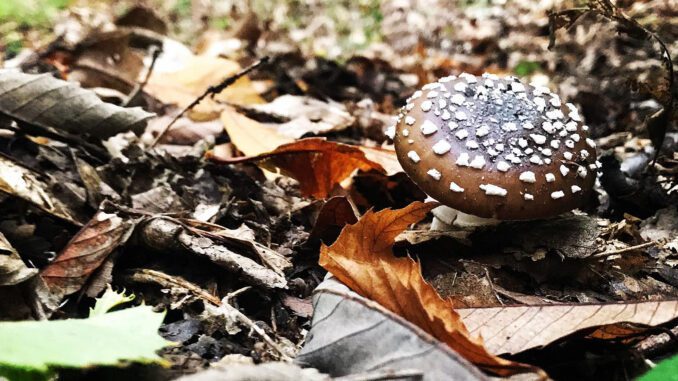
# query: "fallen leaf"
32,348
12,269
183,86
336,213
387,158
246,134
351,335
45,101
86,251
515,329
362,259
319,165
24,183
307,115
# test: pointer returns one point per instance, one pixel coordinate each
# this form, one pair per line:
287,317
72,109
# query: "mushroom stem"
444,218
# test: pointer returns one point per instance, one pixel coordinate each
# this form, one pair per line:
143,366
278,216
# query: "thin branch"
211,91
155,53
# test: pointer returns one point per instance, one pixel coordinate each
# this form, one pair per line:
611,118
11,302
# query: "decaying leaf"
387,158
12,269
86,251
513,329
181,87
32,348
307,115
246,134
319,165
45,101
22,182
362,259
352,334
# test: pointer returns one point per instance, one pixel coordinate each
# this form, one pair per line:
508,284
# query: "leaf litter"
221,190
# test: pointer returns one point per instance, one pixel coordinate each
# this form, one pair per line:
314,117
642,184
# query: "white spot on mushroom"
534,159
522,142
471,144
546,152
575,189
456,188
489,83
390,132
503,166
528,197
590,143
582,172
569,143
441,147
434,173
555,101
584,128
447,79
584,154
499,147
482,131
540,102
406,132
409,106
557,195
460,86
416,95
428,127
555,144
550,177
548,127
478,162
567,155
528,177
528,125
509,126
446,115
452,125
462,160
442,103
470,78
539,139
458,99
426,106
517,87
461,134
413,156
410,120
571,126
564,170
554,114
411,141
460,115
493,190
575,137
432,94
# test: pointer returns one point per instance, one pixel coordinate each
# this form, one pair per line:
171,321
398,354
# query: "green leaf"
666,370
109,300
33,349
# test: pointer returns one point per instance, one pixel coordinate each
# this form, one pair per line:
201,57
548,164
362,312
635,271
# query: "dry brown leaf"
514,329
199,73
251,137
387,158
86,251
319,165
362,259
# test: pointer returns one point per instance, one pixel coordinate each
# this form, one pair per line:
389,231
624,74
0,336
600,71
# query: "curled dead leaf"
319,165
362,259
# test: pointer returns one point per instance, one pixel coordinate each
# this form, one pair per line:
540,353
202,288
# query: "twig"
141,275
155,52
211,91
624,250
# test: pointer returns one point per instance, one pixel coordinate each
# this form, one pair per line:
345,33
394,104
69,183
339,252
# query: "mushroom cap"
496,148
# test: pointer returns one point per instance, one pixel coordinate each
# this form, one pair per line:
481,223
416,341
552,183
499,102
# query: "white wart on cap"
496,148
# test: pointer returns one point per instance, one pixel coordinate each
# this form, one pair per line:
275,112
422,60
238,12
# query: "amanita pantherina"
495,148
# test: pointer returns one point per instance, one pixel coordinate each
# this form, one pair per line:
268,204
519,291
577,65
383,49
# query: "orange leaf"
362,259
318,165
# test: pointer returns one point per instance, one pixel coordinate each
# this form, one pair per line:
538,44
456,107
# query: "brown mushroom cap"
496,148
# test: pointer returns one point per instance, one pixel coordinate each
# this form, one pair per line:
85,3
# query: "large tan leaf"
86,251
251,137
318,165
514,329
363,260
183,86
49,102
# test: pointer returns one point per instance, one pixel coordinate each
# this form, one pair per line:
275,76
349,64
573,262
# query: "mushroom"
495,148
